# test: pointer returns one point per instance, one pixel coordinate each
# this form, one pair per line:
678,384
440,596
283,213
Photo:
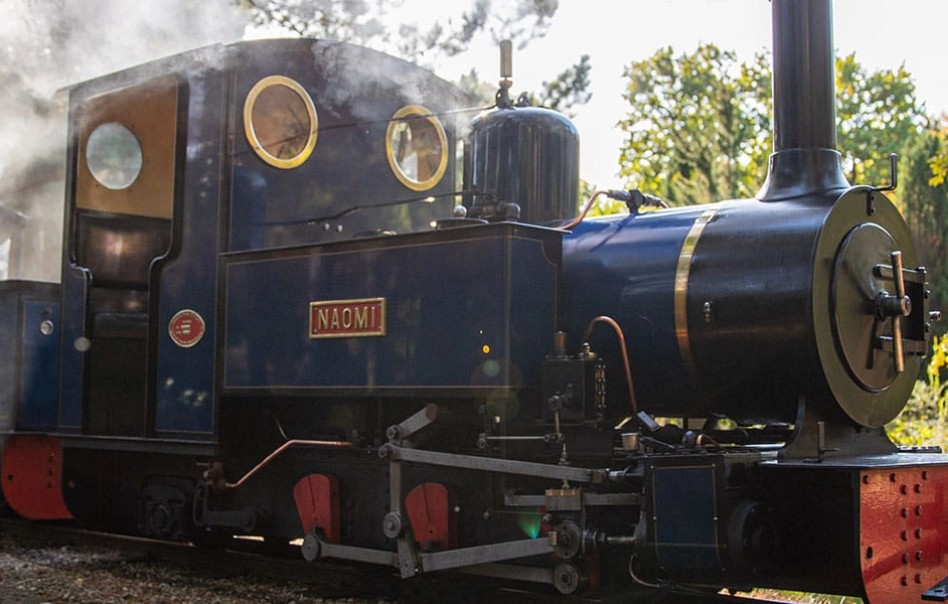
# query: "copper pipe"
279,450
625,355
704,438
585,210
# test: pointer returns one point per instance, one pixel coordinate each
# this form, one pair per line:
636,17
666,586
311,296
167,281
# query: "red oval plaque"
186,328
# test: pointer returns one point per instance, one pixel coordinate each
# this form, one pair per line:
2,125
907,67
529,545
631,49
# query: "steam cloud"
46,45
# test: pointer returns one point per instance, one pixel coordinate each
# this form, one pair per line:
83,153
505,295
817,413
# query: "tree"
568,89
876,112
926,210
939,163
924,421
699,124
365,22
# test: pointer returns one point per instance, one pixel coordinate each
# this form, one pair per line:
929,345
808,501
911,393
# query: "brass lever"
894,306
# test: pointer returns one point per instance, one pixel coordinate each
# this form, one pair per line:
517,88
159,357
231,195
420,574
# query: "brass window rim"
258,88
421,113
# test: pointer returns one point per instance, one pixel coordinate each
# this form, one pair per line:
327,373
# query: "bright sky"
882,33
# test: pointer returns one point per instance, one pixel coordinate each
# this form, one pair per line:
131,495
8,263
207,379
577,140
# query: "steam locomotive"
275,320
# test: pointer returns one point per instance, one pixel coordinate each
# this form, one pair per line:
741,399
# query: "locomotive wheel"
751,536
567,578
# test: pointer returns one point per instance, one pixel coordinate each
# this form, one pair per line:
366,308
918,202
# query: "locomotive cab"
120,228
249,142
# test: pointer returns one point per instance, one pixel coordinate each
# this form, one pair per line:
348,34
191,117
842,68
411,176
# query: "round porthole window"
280,121
416,147
114,156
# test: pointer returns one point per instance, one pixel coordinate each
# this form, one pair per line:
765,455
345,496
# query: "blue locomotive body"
306,296
459,333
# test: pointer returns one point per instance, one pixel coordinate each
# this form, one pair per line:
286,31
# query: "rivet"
918,488
892,477
918,533
925,475
918,578
903,489
918,555
905,558
904,512
865,479
918,510
904,581
46,327
707,310
904,535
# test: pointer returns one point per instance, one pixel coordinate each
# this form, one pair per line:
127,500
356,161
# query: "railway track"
244,561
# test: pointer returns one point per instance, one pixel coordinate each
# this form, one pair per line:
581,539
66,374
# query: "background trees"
877,114
370,23
925,206
699,124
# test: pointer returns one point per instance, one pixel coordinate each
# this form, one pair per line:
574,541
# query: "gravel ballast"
55,575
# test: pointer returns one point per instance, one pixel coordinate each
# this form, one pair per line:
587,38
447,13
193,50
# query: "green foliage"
699,124
804,598
568,89
925,207
924,421
352,20
939,166
605,207
939,162
877,112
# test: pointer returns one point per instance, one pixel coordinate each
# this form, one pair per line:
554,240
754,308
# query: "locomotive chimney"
805,160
